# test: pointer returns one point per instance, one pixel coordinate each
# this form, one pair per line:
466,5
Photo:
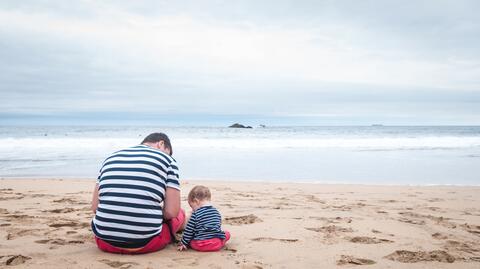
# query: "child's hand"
181,247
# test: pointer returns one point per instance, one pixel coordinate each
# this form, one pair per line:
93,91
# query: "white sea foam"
386,155
387,143
75,146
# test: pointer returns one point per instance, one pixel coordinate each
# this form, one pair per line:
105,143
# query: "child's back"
203,231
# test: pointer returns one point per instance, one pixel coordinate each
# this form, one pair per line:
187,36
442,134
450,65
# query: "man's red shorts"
157,243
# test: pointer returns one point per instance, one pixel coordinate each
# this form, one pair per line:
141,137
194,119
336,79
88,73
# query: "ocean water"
419,155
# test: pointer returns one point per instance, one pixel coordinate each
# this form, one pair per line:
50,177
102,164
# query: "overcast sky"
210,62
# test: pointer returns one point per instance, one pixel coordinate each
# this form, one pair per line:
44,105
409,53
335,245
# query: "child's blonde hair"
200,193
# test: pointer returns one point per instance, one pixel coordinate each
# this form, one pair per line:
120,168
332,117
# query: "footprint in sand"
117,264
15,233
367,240
468,247
412,221
19,216
314,199
416,218
439,236
13,197
227,205
80,192
65,200
379,232
59,241
341,208
332,220
70,224
60,210
241,220
406,256
434,208
11,260
250,265
244,195
331,229
214,266
347,259
86,237
7,194
69,201
388,201
473,229
186,261
6,190
230,249
270,239
436,200
40,195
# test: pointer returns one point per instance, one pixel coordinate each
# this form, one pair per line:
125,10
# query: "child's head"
199,195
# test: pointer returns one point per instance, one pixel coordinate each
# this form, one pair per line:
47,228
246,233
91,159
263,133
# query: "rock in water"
238,125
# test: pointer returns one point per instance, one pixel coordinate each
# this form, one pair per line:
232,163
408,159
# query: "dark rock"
238,125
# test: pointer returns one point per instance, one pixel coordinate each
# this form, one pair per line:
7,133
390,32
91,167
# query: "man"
137,198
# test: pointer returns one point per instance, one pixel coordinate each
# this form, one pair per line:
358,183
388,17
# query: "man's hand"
181,247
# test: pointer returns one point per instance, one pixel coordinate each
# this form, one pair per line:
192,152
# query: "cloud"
268,58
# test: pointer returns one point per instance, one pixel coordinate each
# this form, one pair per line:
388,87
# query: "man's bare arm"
171,205
95,199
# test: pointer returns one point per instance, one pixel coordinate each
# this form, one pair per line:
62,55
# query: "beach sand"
45,223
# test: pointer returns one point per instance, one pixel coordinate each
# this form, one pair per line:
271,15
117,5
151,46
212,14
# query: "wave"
347,143
106,145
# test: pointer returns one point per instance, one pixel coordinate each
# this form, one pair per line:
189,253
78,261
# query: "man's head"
159,141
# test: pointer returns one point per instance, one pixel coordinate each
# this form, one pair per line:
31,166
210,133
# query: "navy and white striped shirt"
132,185
205,223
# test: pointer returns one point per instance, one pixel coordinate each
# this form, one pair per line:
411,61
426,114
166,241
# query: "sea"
379,155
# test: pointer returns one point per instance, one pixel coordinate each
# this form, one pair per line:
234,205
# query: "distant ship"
377,125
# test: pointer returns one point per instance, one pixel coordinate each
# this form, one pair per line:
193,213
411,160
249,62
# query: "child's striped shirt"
205,223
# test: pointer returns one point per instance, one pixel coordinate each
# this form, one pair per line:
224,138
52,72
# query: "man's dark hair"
157,137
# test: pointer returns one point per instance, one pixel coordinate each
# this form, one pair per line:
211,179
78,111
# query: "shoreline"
259,181
45,223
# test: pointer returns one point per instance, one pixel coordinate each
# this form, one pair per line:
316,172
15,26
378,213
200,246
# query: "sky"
255,62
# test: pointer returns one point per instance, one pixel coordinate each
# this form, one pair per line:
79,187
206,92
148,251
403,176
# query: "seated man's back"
131,192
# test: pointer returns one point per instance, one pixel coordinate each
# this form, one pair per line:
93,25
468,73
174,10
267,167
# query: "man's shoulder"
146,151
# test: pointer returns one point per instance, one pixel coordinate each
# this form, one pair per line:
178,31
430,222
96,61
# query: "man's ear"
161,143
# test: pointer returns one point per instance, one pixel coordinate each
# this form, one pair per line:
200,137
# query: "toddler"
203,231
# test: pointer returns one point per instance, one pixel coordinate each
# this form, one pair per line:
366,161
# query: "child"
203,231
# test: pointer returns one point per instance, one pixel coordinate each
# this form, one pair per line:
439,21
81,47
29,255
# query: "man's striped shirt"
132,184
205,223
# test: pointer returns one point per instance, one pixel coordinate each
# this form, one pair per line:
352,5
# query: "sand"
45,223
